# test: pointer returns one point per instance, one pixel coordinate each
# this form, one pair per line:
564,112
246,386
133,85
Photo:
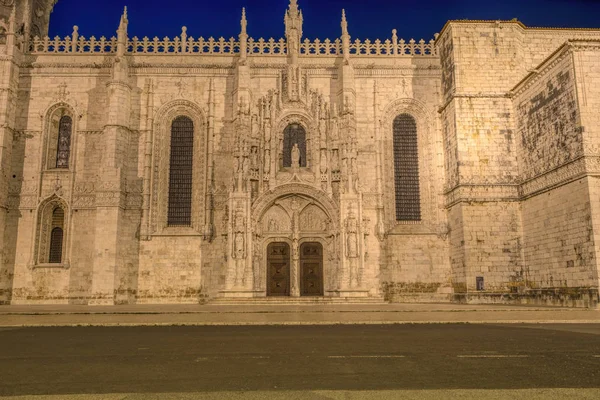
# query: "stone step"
298,300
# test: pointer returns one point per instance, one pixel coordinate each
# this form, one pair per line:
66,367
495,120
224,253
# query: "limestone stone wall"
511,135
559,245
507,158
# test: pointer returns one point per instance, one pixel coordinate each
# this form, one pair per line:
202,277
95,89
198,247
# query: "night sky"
370,19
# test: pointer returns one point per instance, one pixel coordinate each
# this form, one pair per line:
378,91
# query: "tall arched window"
180,172
59,142
56,236
63,147
294,134
406,169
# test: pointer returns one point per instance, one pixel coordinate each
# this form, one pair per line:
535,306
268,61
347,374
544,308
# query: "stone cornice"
577,169
481,193
539,72
551,61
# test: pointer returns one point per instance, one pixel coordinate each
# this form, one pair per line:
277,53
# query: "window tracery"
59,141
406,168
51,237
63,151
56,236
181,172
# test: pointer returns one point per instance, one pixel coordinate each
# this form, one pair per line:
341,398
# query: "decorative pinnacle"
244,22
294,6
344,23
124,17
12,19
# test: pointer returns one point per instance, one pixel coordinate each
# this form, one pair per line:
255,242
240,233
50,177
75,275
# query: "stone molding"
160,166
481,193
267,199
560,176
539,73
426,141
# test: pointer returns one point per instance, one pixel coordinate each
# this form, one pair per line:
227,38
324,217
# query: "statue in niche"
254,126
335,162
323,163
254,158
267,167
295,156
351,235
273,225
239,248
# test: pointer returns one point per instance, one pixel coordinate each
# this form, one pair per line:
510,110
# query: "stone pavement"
281,314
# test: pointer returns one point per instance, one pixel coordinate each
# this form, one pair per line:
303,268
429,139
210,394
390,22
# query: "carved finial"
122,34
243,38
344,23
345,38
293,31
244,22
12,20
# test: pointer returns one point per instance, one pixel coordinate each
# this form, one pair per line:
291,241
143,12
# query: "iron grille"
63,152
56,236
406,169
294,134
180,172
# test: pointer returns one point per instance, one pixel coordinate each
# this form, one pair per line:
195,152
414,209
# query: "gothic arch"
161,148
409,106
425,141
51,127
43,231
264,202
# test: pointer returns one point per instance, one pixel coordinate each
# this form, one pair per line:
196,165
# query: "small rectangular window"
479,283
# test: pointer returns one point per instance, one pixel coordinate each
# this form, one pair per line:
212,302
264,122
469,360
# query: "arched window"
294,134
180,172
63,147
406,169
56,236
59,138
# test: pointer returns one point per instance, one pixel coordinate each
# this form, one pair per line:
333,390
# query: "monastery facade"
186,170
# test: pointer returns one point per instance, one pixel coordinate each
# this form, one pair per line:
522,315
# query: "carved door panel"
311,269
278,269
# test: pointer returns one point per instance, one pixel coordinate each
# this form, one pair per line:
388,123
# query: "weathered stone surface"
508,165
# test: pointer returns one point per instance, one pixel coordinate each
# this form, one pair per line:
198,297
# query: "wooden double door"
279,263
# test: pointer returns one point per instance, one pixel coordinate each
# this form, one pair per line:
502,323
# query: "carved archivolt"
263,203
276,220
314,219
161,164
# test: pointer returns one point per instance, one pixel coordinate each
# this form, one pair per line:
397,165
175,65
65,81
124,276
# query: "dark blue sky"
370,19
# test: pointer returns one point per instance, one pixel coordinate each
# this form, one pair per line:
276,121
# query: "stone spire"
345,38
293,30
122,34
243,38
244,23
